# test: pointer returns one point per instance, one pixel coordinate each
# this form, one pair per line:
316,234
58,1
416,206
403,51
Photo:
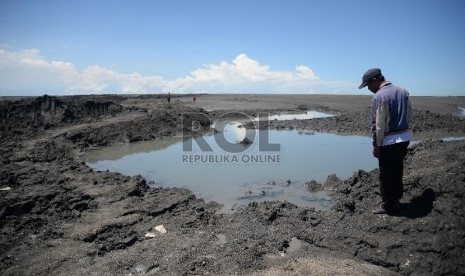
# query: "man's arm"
382,119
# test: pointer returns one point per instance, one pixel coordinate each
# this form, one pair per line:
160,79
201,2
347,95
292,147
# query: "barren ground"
60,217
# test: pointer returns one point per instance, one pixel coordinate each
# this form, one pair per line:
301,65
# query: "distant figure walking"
391,112
169,97
194,99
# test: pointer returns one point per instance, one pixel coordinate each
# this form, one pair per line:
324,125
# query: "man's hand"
376,151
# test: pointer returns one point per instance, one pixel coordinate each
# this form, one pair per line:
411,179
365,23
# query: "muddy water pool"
251,174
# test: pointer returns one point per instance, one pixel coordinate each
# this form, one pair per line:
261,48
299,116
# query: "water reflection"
119,151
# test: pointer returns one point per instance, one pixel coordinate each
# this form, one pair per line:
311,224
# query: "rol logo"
234,133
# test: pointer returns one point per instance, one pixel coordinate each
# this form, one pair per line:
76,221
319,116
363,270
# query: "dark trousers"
391,166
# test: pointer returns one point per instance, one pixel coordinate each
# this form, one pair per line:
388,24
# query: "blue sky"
82,47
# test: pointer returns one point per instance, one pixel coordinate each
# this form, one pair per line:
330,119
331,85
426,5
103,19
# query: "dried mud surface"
60,217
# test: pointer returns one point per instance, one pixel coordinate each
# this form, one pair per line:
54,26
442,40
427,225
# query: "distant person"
169,97
194,99
391,112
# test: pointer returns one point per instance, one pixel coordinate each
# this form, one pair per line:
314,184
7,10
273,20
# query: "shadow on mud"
420,206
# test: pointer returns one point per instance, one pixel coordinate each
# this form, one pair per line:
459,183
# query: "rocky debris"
150,235
425,120
269,189
258,193
246,141
196,122
138,186
160,228
313,186
331,182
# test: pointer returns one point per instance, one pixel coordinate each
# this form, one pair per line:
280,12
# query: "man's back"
390,115
395,100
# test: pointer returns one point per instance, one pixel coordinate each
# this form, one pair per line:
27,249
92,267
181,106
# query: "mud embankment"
61,217
23,117
358,122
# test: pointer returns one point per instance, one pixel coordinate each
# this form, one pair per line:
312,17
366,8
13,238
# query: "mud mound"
47,111
359,122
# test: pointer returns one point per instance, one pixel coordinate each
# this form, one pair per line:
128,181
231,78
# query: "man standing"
391,112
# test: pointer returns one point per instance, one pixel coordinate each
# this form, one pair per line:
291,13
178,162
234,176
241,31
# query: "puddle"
449,139
419,137
301,116
256,176
462,111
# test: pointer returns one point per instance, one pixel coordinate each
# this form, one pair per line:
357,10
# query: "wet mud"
60,217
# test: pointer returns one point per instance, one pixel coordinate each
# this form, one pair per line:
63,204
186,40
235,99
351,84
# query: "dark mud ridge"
59,217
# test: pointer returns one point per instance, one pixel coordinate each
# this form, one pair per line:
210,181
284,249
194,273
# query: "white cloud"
28,71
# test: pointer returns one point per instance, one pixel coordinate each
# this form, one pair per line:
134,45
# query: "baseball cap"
371,73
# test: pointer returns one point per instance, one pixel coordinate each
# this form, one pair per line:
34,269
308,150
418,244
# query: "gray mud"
60,217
